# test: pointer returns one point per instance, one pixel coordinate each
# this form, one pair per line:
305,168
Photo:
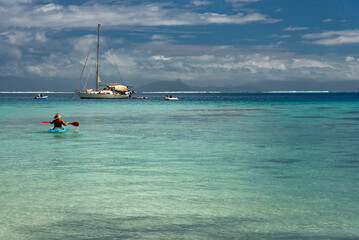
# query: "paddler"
58,122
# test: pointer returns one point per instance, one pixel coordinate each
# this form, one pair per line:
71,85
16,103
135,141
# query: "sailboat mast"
98,56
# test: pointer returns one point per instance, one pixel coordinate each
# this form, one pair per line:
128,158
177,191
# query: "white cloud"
241,3
83,44
198,3
308,63
160,58
40,36
44,70
16,37
239,18
160,37
15,2
19,37
329,34
225,65
232,67
334,37
48,8
328,20
35,69
281,36
88,15
349,59
338,41
352,70
295,29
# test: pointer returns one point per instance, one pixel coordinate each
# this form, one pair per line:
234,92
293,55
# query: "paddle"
76,124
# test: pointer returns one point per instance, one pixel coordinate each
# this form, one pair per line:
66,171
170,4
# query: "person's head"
57,116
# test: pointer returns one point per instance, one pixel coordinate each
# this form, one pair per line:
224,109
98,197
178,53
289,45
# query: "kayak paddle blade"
76,124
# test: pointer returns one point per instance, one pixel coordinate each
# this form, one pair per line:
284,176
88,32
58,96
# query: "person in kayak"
58,122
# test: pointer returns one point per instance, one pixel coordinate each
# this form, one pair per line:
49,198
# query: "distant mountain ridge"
162,86
261,86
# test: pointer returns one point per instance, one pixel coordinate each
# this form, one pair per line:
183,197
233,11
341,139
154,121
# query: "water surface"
209,166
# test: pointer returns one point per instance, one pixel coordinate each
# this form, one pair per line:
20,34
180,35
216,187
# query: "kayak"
44,97
58,130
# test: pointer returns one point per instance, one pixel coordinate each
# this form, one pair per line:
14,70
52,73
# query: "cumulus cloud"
44,70
19,37
334,37
352,70
48,8
160,58
25,26
159,37
229,68
308,63
151,14
40,36
15,2
239,18
349,59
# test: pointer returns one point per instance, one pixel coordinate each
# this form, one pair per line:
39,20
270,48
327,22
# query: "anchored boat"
110,91
170,98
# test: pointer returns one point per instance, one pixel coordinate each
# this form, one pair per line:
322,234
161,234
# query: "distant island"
47,84
260,86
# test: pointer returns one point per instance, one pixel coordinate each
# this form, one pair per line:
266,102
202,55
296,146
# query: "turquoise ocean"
209,166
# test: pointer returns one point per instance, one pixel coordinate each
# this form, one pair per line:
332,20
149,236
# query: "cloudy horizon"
229,42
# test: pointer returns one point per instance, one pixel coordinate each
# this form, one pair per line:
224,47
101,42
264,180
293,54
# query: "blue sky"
201,42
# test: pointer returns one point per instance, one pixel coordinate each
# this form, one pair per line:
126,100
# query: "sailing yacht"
110,91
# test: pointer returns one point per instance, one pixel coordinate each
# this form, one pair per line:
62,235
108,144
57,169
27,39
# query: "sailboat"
110,91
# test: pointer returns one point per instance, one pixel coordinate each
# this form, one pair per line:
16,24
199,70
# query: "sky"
44,43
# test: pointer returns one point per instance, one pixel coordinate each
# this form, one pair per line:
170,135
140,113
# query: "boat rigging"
111,90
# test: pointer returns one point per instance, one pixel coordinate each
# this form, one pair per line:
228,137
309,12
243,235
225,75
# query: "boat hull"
58,130
85,95
44,97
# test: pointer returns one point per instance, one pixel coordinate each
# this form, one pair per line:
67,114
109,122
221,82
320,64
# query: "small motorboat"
41,97
171,98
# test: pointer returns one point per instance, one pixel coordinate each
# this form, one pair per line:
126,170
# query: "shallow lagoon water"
209,166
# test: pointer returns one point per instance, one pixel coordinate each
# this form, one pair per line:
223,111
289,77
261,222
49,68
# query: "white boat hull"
44,97
85,95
